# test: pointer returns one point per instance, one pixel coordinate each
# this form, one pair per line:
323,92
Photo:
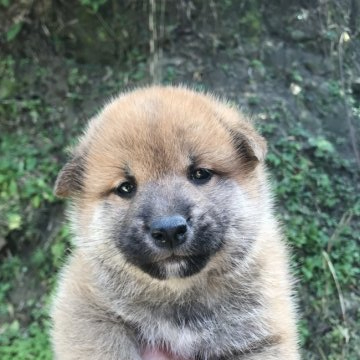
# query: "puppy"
178,255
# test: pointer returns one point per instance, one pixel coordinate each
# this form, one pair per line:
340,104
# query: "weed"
94,5
319,206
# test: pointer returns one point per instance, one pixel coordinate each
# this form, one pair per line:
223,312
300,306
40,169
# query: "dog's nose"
169,232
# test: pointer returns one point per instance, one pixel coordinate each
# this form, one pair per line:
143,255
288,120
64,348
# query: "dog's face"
165,179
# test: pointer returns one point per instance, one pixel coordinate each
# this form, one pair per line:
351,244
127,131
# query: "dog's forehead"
159,133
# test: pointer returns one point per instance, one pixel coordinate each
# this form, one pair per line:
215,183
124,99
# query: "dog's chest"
181,330
170,342
190,330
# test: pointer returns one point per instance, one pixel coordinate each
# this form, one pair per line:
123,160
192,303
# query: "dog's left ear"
250,146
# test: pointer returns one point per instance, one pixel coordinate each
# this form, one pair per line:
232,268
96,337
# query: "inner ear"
71,178
251,147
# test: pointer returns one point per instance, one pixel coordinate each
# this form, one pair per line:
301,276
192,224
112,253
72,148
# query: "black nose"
169,232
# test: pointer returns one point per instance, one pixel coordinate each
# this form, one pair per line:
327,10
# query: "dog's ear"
71,177
250,146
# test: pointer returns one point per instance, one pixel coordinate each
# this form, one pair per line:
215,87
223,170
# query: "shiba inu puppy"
177,253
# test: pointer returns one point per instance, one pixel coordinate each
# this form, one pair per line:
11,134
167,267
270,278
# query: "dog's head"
166,179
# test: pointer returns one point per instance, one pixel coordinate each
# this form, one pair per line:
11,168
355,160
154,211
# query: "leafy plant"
94,5
13,31
319,200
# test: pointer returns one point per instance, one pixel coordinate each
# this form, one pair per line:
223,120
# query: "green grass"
29,149
319,205
32,343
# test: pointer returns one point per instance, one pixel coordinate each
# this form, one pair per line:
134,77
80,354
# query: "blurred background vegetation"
294,66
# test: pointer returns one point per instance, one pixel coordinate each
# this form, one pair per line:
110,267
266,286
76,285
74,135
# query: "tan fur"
105,307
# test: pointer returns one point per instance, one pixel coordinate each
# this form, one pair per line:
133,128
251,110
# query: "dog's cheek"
233,215
106,223
209,232
131,239
131,242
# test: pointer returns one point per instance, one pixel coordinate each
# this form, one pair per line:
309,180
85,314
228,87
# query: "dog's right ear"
71,177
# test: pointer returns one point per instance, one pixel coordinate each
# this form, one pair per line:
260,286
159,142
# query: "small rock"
295,89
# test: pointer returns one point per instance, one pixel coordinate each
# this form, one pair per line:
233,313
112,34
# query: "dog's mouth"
178,262
171,259
174,258
176,266
178,258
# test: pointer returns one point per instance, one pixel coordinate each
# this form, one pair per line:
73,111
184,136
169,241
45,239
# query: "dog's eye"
126,189
200,175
